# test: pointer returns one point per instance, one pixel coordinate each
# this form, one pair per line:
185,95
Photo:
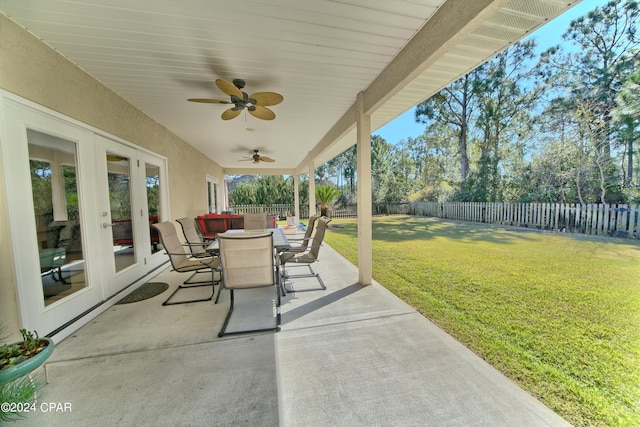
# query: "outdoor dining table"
280,241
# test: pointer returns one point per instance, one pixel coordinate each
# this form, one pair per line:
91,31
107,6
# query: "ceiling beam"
454,21
451,24
258,171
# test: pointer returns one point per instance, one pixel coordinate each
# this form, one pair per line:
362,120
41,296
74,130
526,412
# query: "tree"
401,181
590,132
452,107
627,114
380,166
507,94
41,187
604,51
265,190
345,165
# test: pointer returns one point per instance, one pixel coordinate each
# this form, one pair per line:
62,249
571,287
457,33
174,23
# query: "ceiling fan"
115,158
257,158
256,104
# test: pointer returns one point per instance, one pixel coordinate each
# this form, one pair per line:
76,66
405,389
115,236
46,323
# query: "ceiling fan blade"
263,113
228,88
230,114
267,98
209,101
115,158
267,159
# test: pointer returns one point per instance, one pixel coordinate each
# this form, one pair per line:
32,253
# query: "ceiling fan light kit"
256,104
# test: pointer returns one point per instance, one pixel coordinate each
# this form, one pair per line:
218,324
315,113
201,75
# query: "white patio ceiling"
319,54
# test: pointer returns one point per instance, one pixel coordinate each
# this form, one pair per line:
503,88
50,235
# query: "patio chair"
248,262
255,221
183,263
304,241
197,245
306,258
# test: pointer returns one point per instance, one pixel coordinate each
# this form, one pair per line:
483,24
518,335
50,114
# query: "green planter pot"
27,366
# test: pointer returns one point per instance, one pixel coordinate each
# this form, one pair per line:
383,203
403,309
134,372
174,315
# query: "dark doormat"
146,291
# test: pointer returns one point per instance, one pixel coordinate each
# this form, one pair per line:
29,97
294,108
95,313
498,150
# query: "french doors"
80,206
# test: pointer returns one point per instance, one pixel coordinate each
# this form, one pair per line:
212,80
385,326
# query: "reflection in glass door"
212,194
152,178
57,207
119,180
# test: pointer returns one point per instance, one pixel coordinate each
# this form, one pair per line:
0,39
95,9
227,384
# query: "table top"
280,241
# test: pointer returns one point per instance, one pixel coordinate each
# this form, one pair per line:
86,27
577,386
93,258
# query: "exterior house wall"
32,70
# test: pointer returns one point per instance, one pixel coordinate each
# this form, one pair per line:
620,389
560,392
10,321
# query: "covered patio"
350,355
106,84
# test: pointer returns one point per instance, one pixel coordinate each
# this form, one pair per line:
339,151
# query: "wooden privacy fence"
346,211
617,220
282,210
377,209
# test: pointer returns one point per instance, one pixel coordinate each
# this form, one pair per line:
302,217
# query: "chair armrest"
202,256
203,244
293,239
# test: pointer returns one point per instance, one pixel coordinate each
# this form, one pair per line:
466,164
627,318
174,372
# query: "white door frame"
117,280
154,260
17,119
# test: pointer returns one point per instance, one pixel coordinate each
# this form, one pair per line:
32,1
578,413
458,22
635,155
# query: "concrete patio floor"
346,356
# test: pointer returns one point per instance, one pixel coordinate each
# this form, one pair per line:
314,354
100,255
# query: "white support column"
312,188
363,155
296,195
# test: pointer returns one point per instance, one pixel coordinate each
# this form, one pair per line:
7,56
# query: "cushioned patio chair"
210,225
248,262
306,258
184,263
255,221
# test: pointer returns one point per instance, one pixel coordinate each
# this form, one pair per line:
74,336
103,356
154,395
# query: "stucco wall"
32,70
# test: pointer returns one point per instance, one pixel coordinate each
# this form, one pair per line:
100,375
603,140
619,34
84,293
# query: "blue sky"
404,126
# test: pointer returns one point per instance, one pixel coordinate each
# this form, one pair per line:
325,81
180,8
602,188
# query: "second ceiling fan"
256,103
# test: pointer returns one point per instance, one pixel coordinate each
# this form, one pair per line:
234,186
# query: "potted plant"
17,360
325,196
20,358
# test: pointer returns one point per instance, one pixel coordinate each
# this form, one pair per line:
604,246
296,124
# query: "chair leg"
211,283
310,274
220,288
189,282
276,328
226,320
278,307
60,276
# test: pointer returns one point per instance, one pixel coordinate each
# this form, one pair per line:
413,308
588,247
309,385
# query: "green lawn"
557,313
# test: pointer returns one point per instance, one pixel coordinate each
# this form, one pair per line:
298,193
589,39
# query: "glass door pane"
212,194
119,180
152,174
54,188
